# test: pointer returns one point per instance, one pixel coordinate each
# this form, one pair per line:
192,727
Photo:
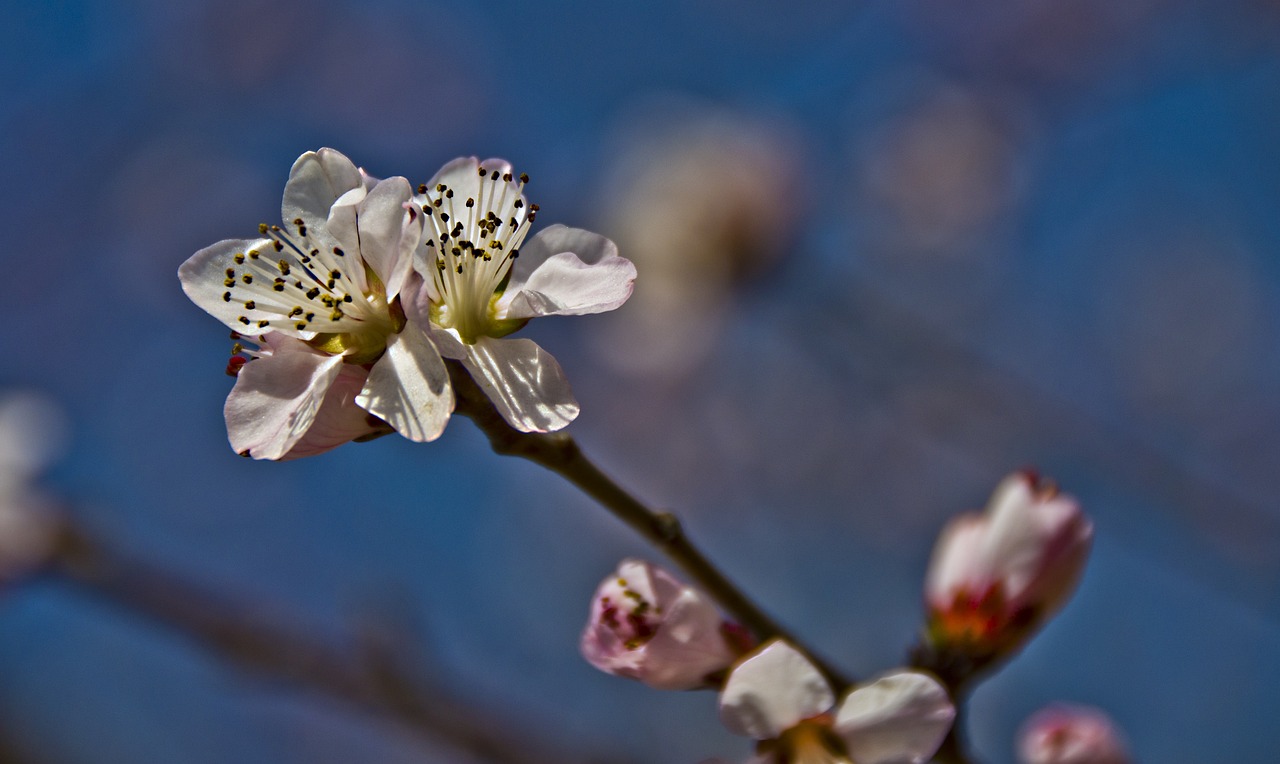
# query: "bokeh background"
888,252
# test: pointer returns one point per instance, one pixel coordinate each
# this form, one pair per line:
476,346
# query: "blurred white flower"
32,434
480,282
778,697
648,625
1071,735
997,576
699,199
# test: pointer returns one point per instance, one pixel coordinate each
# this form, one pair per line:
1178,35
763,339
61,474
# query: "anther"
247,278
448,194
253,254
338,251
422,188
263,323
231,272
493,175
470,202
250,304
263,228
226,297
278,245
228,282
284,267
506,176
238,257
524,177
312,292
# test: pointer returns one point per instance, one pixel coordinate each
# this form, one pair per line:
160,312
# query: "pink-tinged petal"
1071,735
409,387
567,271
524,382
276,398
900,718
225,296
648,625
339,419
771,690
1038,541
382,228
316,181
958,562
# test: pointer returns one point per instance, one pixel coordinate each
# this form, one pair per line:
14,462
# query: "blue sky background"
1025,233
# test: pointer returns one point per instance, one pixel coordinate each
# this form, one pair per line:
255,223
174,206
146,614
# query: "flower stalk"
560,453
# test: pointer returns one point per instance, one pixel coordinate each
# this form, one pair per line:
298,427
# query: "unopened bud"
995,577
648,625
1071,735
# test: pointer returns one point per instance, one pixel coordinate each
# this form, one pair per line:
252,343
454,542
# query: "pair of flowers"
357,299
994,578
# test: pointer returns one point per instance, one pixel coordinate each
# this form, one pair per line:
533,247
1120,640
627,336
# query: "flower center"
629,614
811,741
474,241
295,281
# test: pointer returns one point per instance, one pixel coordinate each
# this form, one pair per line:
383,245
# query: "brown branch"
560,453
267,646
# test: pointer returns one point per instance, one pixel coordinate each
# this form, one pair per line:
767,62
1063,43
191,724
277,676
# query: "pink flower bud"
997,576
1071,735
648,625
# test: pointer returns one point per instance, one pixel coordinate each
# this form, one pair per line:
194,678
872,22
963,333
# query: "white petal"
772,690
463,176
339,419
409,386
959,560
316,181
377,225
898,719
568,271
204,277
1032,536
276,397
524,382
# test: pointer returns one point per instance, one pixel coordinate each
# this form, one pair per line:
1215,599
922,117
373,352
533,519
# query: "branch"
560,453
266,646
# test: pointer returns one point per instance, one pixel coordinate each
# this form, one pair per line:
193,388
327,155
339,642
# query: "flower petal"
900,718
772,690
463,176
214,280
958,562
276,398
339,419
567,271
378,226
524,382
409,386
316,181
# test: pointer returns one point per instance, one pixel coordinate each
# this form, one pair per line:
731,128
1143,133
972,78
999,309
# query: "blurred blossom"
778,697
700,200
648,625
32,433
1071,735
996,577
943,169
1039,41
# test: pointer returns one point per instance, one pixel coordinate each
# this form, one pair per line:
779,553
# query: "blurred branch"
560,453
373,680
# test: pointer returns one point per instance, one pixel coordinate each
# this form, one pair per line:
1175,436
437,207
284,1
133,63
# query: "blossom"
779,697
338,356
995,577
481,282
648,625
30,436
1071,735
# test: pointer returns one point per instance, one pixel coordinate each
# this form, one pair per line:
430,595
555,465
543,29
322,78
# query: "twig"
270,648
560,453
